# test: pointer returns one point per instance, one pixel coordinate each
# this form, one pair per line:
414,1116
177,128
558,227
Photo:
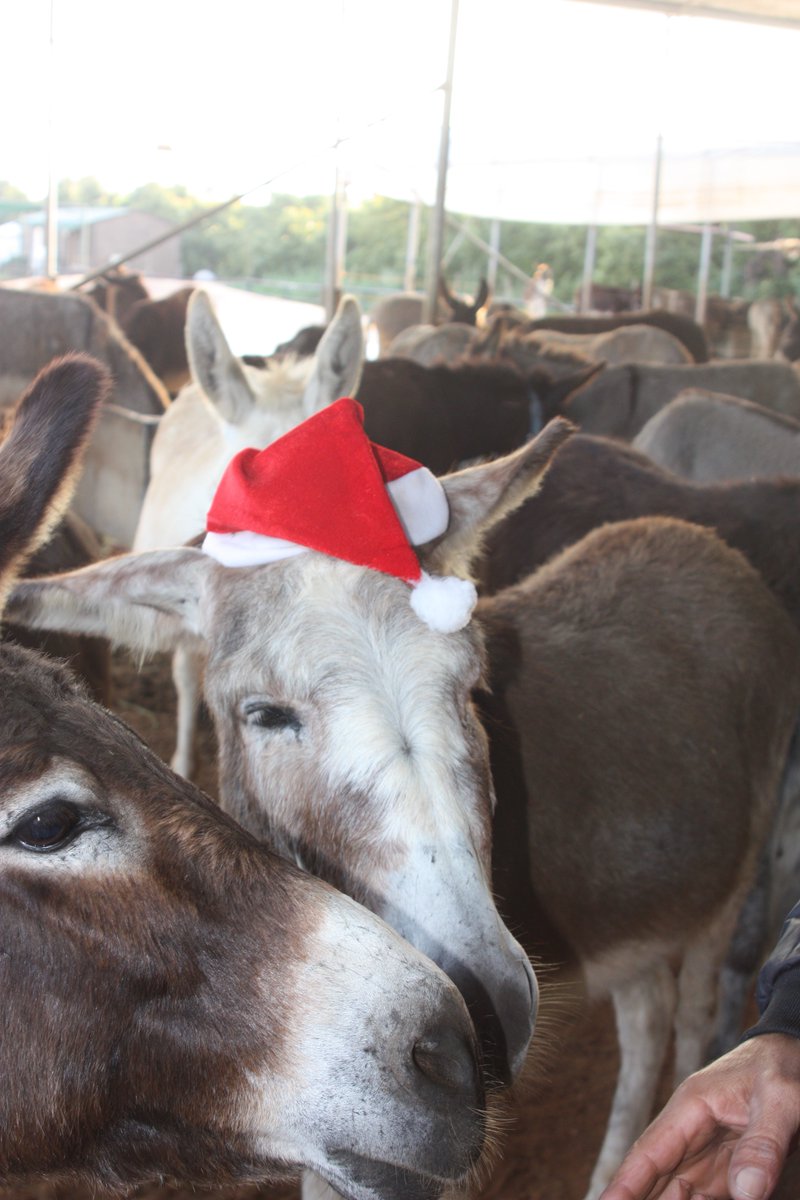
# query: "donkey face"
209,1030
346,728
349,740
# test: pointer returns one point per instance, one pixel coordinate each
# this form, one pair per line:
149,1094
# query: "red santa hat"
325,486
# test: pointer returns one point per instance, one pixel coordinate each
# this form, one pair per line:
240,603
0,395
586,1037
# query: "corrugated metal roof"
761,12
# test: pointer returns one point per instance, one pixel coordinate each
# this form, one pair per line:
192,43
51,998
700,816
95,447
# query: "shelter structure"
91,236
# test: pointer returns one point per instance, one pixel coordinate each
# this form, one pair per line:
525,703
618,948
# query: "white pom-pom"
444,602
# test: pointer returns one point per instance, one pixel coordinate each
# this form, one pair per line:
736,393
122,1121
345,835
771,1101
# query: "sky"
224,96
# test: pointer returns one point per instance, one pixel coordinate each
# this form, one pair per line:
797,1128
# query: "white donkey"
644,688
227,407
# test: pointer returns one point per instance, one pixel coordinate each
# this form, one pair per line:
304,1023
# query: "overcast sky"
222,94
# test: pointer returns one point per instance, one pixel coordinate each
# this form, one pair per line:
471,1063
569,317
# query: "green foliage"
10,194
280,247
377,235
86,191
174,204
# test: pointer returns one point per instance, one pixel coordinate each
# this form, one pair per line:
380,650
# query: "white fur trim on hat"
443,602
247,549
421,505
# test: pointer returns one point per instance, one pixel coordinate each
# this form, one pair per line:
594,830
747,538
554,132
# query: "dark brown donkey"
176,1000
595,481
644,689
392,314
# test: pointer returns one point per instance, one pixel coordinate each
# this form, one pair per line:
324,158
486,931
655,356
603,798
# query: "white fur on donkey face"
348,737
313,665
352,1091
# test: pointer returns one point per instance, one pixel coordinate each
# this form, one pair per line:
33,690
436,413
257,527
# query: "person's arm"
778,990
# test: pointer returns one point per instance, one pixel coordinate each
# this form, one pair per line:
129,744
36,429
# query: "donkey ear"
338,360
41,457
482,296
479,497
445,293
147,602
213,365
559,389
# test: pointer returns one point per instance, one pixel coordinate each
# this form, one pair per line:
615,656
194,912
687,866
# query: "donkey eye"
271,716
49,828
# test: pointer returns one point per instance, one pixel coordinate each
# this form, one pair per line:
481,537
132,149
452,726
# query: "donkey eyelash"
271,716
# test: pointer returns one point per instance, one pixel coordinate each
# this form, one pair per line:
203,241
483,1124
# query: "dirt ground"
554,1124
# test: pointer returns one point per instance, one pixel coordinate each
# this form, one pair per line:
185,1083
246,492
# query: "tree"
87,191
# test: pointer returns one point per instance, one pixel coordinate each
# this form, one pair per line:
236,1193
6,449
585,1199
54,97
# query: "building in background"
90,237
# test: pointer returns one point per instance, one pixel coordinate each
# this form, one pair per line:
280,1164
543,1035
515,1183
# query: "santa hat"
325,486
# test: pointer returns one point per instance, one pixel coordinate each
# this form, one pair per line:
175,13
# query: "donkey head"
230,406
177,1000
464,311
258,404
347,731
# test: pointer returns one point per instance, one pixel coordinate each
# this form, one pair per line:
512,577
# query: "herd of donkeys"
317,973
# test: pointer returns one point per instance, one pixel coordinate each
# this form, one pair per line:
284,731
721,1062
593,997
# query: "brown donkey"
177,1001
644,688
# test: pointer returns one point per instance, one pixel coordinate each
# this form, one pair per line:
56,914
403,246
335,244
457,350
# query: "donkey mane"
280,382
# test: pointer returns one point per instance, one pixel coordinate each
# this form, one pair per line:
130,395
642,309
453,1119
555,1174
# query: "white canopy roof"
763,12
562,126
712,186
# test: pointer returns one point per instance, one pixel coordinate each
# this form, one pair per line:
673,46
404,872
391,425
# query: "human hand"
726,1132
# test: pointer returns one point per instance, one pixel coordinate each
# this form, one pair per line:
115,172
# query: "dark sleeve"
778,991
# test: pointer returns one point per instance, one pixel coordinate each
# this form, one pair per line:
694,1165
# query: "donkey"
227,407
445,414
116,291
708,437
156,962
620,400
643,689
431,344
427,344
157,329
598,480
595,481
682,327
628,344
393,314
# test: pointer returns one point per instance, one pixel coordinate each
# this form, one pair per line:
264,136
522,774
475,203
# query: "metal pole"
494,253
504,262
652,234
703,273
726,280
589,255
341,243
51,215
436,237
412,245
332,274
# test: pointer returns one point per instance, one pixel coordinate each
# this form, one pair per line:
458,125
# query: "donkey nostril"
447,1059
